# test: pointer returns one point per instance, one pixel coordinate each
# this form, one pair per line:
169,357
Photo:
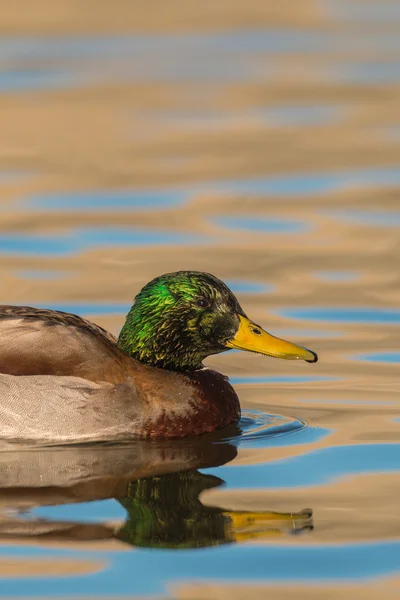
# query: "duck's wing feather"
47,342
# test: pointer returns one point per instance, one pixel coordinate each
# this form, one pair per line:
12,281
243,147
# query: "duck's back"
47,342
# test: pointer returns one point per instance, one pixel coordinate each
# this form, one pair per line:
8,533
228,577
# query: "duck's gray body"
62,409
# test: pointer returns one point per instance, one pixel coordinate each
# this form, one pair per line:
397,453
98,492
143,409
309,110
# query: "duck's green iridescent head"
179,319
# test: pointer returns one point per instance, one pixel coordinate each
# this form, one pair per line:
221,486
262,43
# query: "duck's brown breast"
177,405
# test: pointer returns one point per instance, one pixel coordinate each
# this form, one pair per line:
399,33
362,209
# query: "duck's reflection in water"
165,512
158,484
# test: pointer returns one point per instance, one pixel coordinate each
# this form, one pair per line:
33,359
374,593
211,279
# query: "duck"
64,379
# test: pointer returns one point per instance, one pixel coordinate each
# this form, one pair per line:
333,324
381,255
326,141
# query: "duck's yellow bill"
254,339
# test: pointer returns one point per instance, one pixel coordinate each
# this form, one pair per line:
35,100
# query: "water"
246,143
337,276
276,379
381,357
272,116
156,198
261,225
218,565
292,116
259,429
384,12
365,73
358,314
109,200
39,274
27,80
372,219
77,240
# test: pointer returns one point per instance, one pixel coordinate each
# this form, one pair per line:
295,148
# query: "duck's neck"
158,344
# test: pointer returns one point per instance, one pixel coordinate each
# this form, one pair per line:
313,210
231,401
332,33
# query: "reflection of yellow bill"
245,526
254,339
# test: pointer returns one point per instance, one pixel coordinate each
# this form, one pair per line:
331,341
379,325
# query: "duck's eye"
202,303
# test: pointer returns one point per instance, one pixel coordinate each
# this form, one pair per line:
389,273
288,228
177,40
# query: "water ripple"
260,430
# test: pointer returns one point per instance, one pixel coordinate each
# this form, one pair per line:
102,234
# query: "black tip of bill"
315,359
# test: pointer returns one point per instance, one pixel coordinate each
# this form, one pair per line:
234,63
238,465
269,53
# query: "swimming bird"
64,379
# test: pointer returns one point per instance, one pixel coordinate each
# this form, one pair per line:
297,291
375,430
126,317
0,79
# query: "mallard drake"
64,379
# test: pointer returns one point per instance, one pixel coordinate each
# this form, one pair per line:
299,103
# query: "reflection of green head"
165,512
178,319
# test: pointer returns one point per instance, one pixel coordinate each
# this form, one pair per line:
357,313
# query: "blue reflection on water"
374,219
361,11
281,116
314,468
290,116
315,183
346,402
153,570
344,315
77,240
387,357
306,333
159,57
366,72
122,200
33,79
162,45
85,512
262,224
248,287
295,185
280,379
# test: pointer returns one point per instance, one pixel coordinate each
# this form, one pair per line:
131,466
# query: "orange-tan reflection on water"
265,158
